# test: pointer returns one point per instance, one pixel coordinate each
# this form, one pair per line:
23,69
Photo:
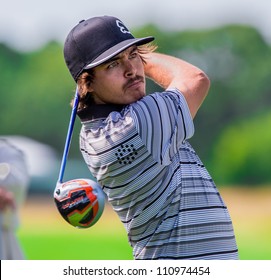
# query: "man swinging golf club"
136,145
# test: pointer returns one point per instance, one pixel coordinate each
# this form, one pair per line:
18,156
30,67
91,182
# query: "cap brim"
117,49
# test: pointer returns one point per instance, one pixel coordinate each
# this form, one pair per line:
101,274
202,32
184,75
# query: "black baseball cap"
94,41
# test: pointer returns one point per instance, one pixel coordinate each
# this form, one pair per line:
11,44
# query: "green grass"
254,243
44,235
250,209
65,246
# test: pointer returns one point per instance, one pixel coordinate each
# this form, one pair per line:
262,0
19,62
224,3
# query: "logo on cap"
122,27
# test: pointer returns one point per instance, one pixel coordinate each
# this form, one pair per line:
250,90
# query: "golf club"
80,201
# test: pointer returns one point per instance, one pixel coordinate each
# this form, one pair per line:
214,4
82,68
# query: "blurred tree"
242,152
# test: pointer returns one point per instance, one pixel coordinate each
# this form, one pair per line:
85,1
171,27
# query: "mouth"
134,83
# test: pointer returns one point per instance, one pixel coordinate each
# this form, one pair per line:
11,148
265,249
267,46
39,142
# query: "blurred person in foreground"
14,181
136,145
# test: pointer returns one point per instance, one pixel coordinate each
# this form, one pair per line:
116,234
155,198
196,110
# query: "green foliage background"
232,127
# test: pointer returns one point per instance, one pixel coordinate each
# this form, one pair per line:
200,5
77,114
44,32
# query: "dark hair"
83,83
86,78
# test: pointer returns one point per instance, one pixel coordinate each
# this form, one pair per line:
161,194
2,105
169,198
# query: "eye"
112,64
133,54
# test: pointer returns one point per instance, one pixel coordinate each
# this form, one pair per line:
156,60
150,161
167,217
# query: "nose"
130,70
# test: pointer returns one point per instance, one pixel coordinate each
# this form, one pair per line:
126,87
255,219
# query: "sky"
29,24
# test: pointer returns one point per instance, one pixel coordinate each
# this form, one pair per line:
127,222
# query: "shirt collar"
101,111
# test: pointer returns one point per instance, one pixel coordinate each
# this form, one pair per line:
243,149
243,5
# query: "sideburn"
83,83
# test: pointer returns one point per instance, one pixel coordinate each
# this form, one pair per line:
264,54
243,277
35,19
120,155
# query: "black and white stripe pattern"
156,183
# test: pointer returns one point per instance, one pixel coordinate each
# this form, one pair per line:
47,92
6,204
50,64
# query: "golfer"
136,144
14,181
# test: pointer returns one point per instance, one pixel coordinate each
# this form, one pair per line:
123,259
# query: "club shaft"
69,137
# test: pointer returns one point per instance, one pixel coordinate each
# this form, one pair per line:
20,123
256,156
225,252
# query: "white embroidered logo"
122,27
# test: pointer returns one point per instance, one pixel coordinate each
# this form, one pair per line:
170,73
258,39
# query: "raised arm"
171,72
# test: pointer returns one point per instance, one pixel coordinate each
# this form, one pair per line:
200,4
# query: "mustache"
132,80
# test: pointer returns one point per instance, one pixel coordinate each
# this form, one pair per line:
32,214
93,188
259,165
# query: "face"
121,80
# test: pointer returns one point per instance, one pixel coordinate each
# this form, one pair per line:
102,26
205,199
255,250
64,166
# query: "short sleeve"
164,122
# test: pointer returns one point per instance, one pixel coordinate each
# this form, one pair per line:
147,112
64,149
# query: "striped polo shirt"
154,180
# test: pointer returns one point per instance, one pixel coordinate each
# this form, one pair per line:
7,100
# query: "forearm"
172,72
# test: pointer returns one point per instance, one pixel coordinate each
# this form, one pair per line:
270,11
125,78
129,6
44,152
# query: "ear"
90,89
